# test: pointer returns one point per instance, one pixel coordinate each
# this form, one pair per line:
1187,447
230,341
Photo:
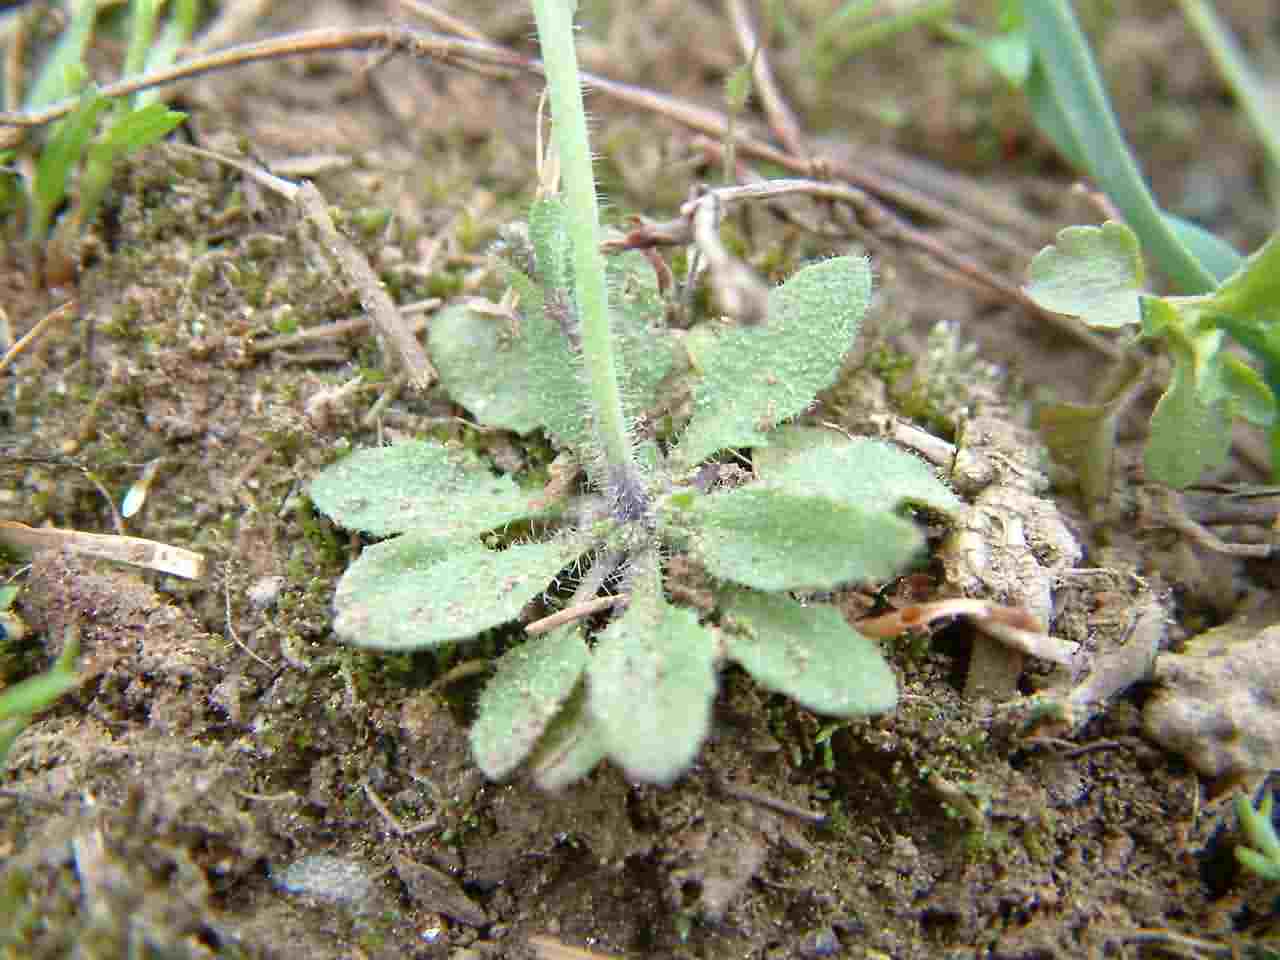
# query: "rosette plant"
582,355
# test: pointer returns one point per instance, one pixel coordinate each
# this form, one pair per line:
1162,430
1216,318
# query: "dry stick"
398,828
878,219
769,802
303,43
739,292
396,335
336,329
782,121
578,611
35,333
892,228
134,550
442,21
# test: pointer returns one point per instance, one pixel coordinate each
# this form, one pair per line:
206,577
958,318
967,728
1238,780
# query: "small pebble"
326,878
265,592
821,942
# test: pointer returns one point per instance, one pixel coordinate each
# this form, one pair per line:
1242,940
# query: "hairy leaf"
864,473
571,747
485,367
754,378
809,653
651,681
418,591
773,539
1094,273
523,372
425,487
531,684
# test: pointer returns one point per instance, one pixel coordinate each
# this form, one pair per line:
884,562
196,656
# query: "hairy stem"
560,62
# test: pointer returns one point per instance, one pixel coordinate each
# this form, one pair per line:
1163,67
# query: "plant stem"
569,127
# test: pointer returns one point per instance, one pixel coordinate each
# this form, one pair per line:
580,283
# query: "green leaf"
1253,398
651,681
174,36
1266,869
1009,54
143,127
1070,104
1259,828
772,539
571,747
430,489
1191,424
1094,273
1083,436
1254,287
520,373
754,378
809,653
59,158
863,473
418,591
62,73
130,132
485,369
531,684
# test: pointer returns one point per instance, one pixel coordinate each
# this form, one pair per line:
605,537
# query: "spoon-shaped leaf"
418,591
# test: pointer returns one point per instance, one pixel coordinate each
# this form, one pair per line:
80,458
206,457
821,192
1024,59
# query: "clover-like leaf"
862,472
418,590
531,684
754,378
426,487
774,539
809,653
1094,273
651,681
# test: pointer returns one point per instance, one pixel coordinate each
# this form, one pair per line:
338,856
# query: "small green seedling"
99,133
1097,274
1262,855
22,701
583,356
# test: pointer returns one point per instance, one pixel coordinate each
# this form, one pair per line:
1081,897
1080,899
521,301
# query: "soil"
229,781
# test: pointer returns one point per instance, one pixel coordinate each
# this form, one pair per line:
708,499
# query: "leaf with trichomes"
431,489
820,517
521,371
530,685
417,591
572,746
862,472
1094,273
809,653
754,378
651,681
772,539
